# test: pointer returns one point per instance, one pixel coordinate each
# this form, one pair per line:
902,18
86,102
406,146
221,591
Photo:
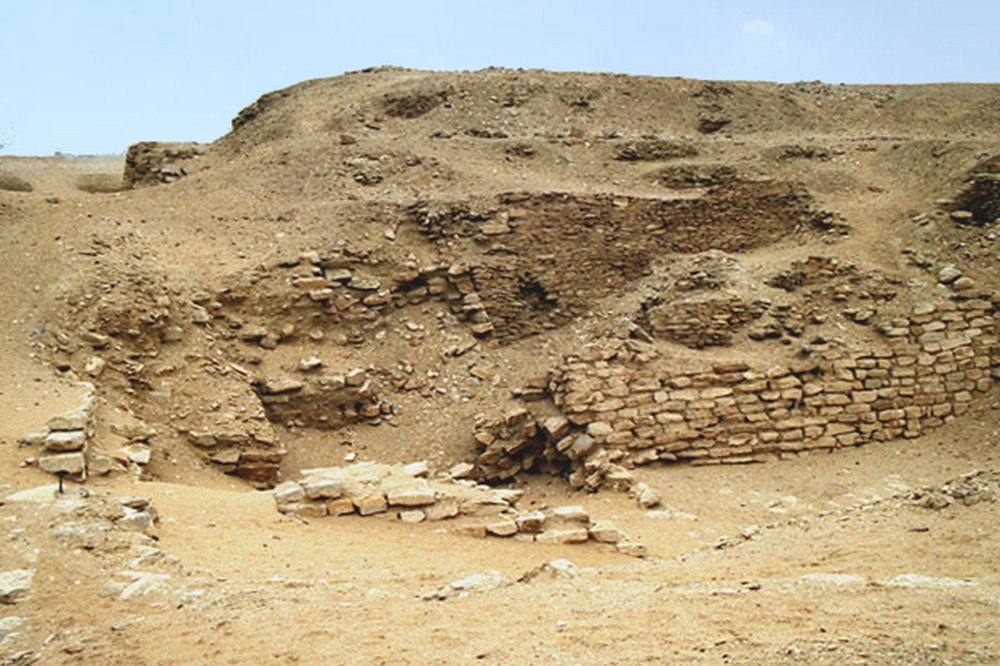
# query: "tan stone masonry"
624,406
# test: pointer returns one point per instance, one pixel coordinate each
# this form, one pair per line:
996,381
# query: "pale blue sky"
95,76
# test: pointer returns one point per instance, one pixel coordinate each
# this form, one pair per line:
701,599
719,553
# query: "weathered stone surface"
963,283
63,463
476,583
949,274
15,585
322,488
287,492
33,439
461,470
412,516
575,514
503,528
306,509
599,429
649,498
280,385
561,568
78,420
509,495
99,464
416,492
340,507
473,530
308,364
443,509
65,440
631,548
604,532
556,427
9,625
563,536
419,468
355,377
619,479
140,454
136,521
145,584
531,523
372,504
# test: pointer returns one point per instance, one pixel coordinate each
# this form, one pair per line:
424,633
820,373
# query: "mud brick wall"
927,373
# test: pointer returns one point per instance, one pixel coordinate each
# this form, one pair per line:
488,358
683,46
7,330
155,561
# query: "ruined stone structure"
623,405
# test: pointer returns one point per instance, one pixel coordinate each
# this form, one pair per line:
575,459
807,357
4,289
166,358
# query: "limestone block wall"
624,406
341,291
66,441
700,323
933,363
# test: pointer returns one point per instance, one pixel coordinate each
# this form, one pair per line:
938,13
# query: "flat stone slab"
62,441
575,514
63,463
322,488
415,493
569,535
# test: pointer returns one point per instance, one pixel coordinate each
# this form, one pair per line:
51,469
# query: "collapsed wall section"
549,256
156,162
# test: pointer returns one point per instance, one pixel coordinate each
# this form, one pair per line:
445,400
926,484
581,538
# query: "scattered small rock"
949,274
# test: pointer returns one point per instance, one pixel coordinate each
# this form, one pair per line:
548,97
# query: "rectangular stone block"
340,507
65,440
563,536
371,504
63,463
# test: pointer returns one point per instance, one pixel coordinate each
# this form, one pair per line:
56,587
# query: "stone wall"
701,322
622,404
66,441
154,162
342,292
549,257
321,400
980,199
